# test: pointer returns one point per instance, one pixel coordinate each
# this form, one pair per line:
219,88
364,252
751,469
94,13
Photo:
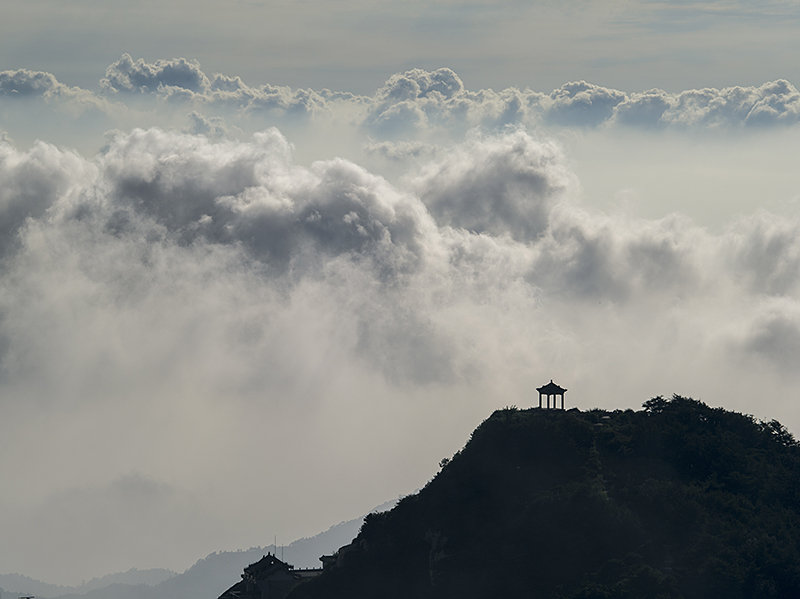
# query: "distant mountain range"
206,579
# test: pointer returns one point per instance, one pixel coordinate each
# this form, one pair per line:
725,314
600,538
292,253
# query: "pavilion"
551,390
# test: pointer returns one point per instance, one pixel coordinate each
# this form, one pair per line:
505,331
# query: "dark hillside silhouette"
677,500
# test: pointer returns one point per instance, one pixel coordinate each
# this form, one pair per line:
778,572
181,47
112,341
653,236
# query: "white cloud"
180,80
251,194
23,82
499,185
773,336
583,104
212,127
27,85
418,98
186,305
160,198
415,106
32,182
401,151
765,250
411,101
139,76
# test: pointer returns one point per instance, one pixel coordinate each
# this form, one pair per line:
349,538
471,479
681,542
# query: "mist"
231,311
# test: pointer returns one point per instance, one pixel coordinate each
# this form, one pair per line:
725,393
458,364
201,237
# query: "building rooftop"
551,389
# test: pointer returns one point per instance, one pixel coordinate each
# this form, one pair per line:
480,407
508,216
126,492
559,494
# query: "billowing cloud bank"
495,211
417,97
205,341
415,103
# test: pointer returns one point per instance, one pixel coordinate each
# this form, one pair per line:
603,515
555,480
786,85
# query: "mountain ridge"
677,501
207,577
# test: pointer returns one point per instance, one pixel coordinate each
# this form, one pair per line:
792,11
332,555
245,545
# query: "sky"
264,264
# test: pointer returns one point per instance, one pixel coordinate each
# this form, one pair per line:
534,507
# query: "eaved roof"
551,389
266,566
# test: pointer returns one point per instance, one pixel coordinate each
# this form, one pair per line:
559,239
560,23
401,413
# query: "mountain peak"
677,500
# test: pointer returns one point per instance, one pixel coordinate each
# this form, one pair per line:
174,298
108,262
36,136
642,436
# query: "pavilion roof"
551,389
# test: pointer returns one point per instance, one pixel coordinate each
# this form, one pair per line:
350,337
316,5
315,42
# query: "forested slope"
675,500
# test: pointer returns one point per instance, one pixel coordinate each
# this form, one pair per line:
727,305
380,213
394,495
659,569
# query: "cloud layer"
497,199
415,104
207,329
